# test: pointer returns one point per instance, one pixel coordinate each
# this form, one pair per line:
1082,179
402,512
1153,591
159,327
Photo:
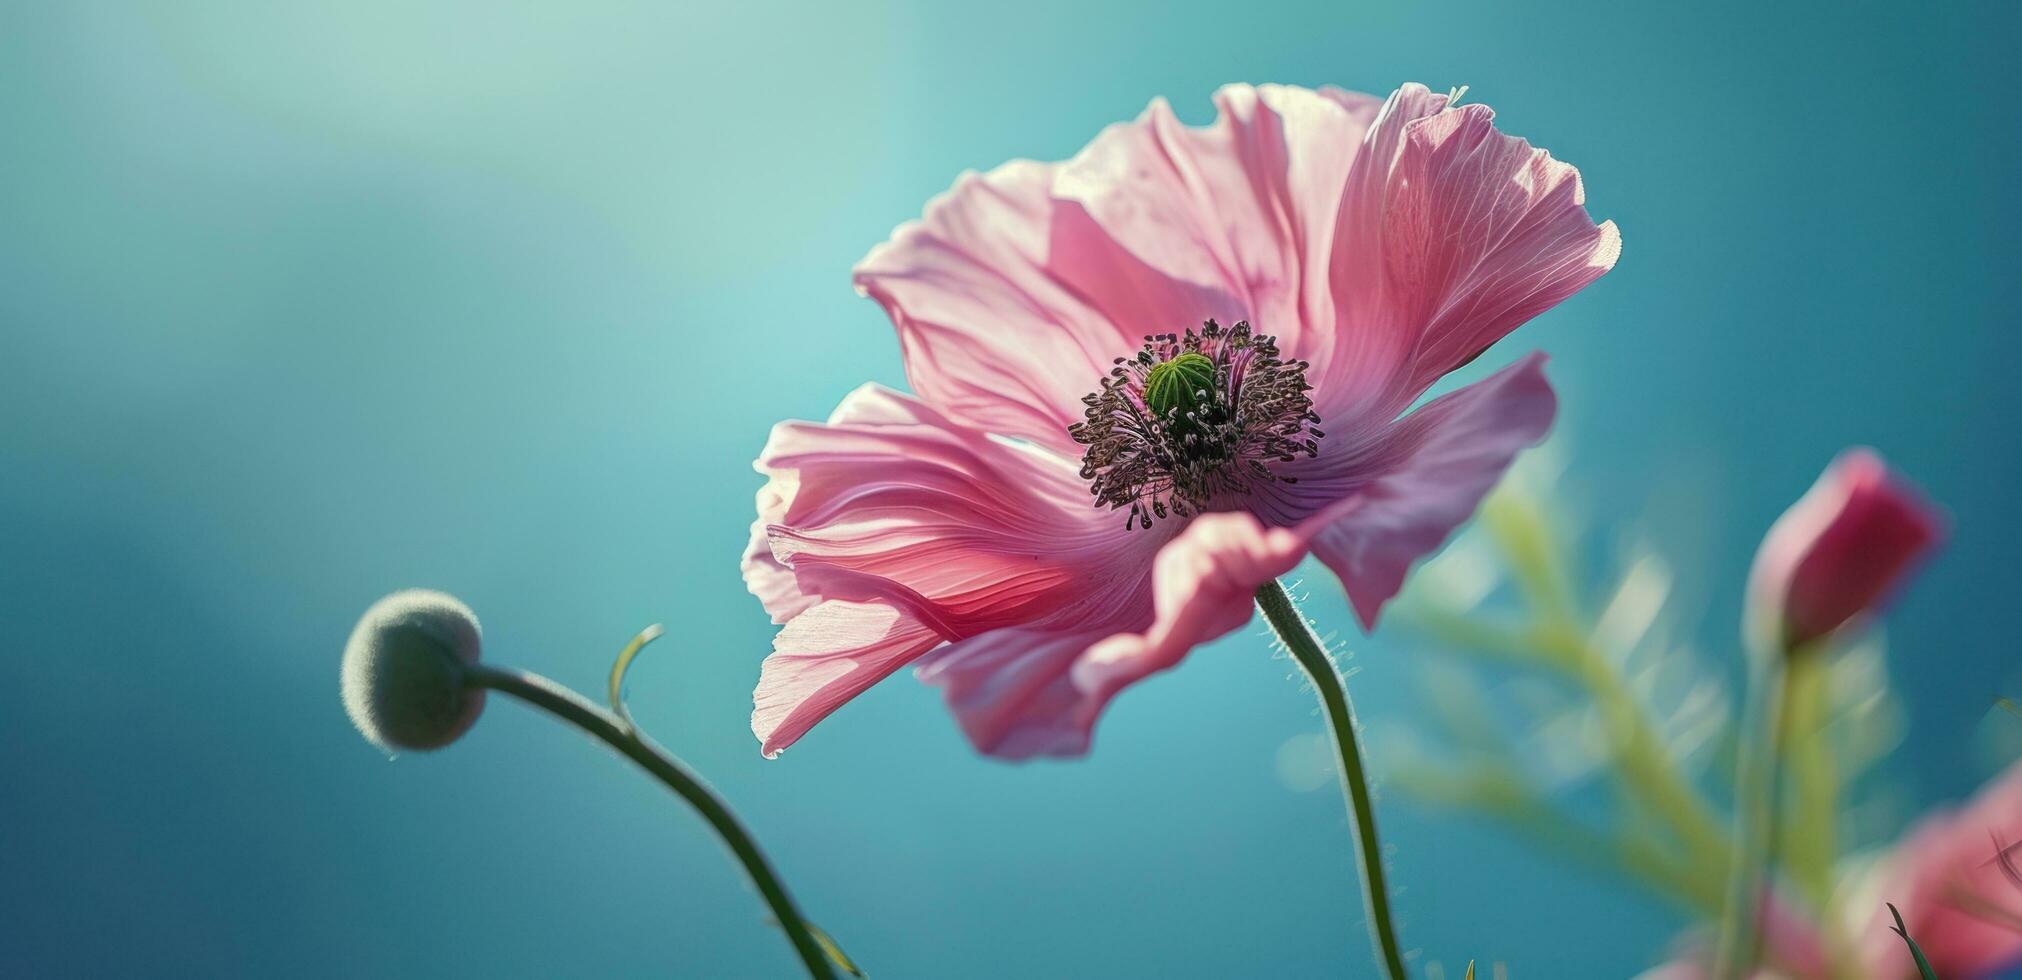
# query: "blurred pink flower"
1961,901
1839,551
1354,251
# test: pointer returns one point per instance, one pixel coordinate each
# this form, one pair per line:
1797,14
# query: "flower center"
1192,420
1179,386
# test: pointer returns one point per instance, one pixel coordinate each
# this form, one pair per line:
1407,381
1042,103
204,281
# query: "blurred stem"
1521,531
1541,574
1645,766
1494,793
1764,734
1810,835
578,711
1298,636
1490,642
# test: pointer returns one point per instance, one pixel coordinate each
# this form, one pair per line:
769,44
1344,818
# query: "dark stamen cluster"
1201,434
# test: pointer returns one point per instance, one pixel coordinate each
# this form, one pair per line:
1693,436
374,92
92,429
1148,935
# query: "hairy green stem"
1298,637
613,731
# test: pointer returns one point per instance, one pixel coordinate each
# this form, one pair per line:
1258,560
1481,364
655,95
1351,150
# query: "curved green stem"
574,709
1306,648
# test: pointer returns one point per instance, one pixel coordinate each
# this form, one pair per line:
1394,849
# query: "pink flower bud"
1839,552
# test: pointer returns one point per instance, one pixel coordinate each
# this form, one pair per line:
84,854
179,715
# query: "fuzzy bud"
404,669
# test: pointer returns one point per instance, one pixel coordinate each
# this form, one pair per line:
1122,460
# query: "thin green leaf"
834,950
2008,705
1470,970
624,663
828,946
1923,965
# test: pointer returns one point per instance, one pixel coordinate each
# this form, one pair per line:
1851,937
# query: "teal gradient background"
300,304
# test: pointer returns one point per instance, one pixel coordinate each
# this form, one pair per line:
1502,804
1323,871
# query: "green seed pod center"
1180,386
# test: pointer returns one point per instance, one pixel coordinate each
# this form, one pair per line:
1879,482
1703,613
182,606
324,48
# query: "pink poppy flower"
1961,901
1839,551
1150,379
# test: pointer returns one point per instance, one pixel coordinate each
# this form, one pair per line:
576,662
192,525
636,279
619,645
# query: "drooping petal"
1012,692
825,656
1038,690
1426,477
1451,235
891,529
1204,586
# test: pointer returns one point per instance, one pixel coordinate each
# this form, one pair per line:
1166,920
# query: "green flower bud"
404,669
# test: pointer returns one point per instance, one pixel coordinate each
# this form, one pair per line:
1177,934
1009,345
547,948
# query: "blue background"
302,304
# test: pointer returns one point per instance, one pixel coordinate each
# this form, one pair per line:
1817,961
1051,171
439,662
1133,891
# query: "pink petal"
825,656
772,582
1018,288
1955,896
1451,235
1386,248
1034,691
994,332
1204,586
895,502
1012,693
1245,206
891,529
1427,477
